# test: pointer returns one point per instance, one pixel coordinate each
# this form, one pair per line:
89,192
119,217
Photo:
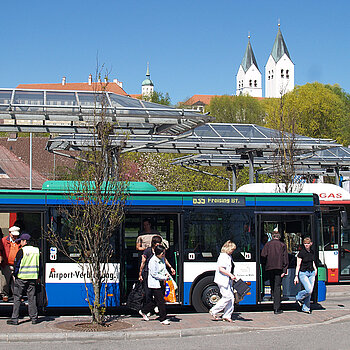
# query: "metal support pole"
30,160
251,167
256,177
234,178
336,175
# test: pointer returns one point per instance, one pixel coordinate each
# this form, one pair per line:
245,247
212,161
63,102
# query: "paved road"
332,315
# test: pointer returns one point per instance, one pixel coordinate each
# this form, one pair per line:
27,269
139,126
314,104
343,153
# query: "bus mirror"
344,218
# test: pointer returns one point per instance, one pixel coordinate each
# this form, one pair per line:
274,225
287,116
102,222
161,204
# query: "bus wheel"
205,294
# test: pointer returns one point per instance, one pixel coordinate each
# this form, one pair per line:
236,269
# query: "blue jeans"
307,279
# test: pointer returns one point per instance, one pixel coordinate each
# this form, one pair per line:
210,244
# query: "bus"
335,228
195,224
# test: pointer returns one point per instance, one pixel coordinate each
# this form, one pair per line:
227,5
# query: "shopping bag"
170,295
136,296
241,289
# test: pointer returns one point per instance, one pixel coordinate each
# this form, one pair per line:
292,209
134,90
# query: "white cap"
275,229
14,230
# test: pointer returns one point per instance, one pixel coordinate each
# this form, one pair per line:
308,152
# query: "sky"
193,47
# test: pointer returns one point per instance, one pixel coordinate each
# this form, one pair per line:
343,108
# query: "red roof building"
15,173
113,86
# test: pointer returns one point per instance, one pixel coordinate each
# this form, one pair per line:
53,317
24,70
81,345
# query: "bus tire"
205,294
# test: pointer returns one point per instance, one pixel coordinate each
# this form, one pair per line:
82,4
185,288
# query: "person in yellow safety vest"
26,272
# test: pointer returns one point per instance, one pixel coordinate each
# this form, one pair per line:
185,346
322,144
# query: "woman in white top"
223,278
157,275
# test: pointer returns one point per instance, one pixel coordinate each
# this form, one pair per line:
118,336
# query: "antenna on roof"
248,35
279,23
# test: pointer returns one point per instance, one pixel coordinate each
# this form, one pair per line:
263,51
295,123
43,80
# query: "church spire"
248,58
279,47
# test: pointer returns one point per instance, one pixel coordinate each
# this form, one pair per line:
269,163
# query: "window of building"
287,74
255,83
250,83
282,73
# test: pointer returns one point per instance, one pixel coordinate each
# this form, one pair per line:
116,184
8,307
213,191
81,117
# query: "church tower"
279,69
147,84
248,81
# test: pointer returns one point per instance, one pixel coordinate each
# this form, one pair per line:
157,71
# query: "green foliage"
236,109
158,97
316,111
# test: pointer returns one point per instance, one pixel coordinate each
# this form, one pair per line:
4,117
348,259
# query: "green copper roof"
279,47
248,58
147,82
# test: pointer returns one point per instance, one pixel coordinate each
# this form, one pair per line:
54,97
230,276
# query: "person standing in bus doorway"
8,250
157,275
306,271
223,278
26,272
276,266
144,239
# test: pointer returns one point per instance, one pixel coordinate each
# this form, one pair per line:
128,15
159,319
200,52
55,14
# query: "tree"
285,155
317,111
96,209
158,97
236,109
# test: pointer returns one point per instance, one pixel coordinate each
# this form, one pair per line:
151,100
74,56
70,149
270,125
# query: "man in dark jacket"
276,256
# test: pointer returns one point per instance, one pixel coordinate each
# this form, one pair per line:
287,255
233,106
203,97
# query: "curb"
134,335
80,336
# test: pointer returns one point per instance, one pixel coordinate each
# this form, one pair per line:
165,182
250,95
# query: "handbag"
41,296
136,296
241,288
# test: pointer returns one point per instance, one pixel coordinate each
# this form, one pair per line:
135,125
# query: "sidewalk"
184,324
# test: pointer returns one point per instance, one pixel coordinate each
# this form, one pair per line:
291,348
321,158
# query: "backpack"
136,296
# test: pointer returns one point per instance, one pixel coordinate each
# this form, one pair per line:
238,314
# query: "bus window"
330,232
206,230
60,224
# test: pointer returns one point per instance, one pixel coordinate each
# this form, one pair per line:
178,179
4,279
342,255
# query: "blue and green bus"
195,224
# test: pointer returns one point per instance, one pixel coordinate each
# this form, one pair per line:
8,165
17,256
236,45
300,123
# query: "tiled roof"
205,99
112,87
43,161
196,100
15,172
138,96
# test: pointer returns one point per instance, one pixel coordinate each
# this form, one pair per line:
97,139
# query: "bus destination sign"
218,201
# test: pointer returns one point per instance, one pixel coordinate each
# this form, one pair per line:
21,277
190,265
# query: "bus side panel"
65,285
244,270
331,258
74,294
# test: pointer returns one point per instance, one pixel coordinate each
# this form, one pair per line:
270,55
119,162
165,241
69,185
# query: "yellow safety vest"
29,267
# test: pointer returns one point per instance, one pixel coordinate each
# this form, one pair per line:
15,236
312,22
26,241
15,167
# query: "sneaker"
12,321
5,298
306,311
149,314
166,322
156,309
144,316
35,321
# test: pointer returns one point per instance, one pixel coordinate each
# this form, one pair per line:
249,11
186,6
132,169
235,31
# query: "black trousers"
158,295
20,286
276,282
148,292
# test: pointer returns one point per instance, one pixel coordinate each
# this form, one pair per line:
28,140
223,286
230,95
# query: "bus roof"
328,193
64,186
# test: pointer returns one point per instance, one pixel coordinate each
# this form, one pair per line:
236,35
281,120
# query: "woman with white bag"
223,278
